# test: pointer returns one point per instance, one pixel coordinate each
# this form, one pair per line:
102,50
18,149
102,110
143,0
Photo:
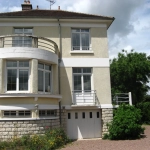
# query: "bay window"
80,39
44,77
17,75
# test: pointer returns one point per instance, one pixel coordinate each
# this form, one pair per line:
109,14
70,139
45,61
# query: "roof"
61,14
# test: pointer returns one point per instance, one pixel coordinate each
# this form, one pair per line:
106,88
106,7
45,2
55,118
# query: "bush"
145,111
52,139
126,124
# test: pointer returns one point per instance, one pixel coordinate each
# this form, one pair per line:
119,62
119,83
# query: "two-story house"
54,71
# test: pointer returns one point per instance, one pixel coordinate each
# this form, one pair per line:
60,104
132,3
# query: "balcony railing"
20,40
84,98
120,98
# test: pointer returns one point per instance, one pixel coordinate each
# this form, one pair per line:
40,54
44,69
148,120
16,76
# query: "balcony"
28,46
84,98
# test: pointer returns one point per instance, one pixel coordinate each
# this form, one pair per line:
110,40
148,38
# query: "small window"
47,113
69,115
83,115
76,115
97,114
18,114
90,114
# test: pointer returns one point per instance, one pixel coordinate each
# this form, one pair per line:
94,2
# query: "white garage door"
84,124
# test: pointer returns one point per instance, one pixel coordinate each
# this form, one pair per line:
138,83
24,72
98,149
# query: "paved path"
140,144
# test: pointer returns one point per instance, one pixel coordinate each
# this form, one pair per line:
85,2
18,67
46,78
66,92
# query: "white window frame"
80,39
44,70
23,33
82,80
17,84
17,114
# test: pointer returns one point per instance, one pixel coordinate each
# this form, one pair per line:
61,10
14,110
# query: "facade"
54,71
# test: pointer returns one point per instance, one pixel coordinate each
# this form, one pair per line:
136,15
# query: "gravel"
99,144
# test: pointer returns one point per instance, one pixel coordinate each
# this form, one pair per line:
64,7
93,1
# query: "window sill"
80,52
29,118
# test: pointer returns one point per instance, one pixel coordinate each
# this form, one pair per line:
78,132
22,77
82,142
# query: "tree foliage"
130,72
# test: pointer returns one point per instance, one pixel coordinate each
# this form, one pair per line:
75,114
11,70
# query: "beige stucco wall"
100,83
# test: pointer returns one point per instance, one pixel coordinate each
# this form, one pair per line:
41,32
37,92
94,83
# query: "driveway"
98,144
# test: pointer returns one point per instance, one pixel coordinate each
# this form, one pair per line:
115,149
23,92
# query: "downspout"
59,61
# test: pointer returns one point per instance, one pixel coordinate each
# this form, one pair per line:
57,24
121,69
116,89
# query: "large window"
47,113
82,79
80,39
44,77
22,41
17,75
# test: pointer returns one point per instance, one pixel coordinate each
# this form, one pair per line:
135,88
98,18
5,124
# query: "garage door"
84,124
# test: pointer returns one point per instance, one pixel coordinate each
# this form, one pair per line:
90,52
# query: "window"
21,113
17,75
22,41
80,39
47,113
82,79
69,115
90,114
44,77
76,115
83,115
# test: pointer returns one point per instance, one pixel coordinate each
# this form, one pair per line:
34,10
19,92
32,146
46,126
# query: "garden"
51,140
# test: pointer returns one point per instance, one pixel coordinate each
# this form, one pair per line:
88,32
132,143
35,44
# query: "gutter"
111,22
59,61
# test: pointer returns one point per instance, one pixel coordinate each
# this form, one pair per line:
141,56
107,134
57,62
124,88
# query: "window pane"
76,41
47,81
11,64
27,41
85,41
41,66
83,115
87,83
77,83
11,79
76,115
86,70
40,80
23,80
47,67
97,114
76,70
19,31
84,30
90,113
75,30
69,115
23,63
27,31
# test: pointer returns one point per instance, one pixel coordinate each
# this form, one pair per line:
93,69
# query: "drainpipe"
59,61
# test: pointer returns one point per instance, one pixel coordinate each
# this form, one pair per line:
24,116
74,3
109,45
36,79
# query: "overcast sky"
130,30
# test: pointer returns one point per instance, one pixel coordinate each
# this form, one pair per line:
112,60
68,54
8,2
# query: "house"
54,71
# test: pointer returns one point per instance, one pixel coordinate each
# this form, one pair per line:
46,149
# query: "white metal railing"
21,40
84,97
120,98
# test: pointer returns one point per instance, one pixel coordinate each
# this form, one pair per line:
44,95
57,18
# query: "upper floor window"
44,77
22,41
80,39
17,75
82,79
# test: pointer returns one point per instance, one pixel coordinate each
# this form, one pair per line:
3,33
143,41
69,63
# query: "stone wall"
16,128
107,117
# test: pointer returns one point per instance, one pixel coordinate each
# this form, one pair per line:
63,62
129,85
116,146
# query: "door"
82,124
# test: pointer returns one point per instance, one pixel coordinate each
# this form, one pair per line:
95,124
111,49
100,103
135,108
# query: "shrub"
52,139
145,111
126,124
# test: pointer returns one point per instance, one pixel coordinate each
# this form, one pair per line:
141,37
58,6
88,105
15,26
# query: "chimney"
58,7
26,5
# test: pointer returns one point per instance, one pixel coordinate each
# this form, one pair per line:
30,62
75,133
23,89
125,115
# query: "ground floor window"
47,113
82,79
20,113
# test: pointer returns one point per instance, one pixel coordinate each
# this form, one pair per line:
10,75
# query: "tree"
130,72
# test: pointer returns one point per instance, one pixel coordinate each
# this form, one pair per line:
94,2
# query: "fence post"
130,98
